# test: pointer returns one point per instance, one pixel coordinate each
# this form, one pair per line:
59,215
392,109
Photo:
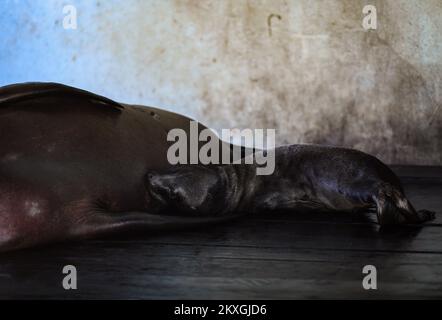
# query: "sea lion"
306,177
72,165
76,165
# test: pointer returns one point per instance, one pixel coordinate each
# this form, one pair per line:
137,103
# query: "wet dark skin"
74,165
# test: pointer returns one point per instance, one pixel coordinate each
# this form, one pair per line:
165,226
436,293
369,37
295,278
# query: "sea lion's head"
187,188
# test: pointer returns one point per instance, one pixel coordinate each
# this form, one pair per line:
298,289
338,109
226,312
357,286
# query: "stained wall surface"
304,67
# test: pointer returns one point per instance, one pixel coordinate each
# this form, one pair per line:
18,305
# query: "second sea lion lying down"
305,177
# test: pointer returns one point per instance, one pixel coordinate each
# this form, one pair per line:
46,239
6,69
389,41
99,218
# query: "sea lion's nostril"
151,181
152,178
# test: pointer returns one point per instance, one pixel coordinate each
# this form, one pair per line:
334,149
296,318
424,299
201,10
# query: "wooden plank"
288,234
192,272
417,171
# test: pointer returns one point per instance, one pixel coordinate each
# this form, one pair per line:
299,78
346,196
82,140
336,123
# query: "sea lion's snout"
158,190
189,189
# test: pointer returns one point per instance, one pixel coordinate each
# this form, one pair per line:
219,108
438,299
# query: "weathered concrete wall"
304,67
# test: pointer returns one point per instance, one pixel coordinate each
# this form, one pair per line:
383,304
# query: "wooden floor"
267,257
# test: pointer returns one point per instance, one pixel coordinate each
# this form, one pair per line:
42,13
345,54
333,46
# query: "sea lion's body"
71,161
306,177
73,165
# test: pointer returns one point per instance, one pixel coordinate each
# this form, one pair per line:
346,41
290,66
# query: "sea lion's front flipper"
103,223
394,208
